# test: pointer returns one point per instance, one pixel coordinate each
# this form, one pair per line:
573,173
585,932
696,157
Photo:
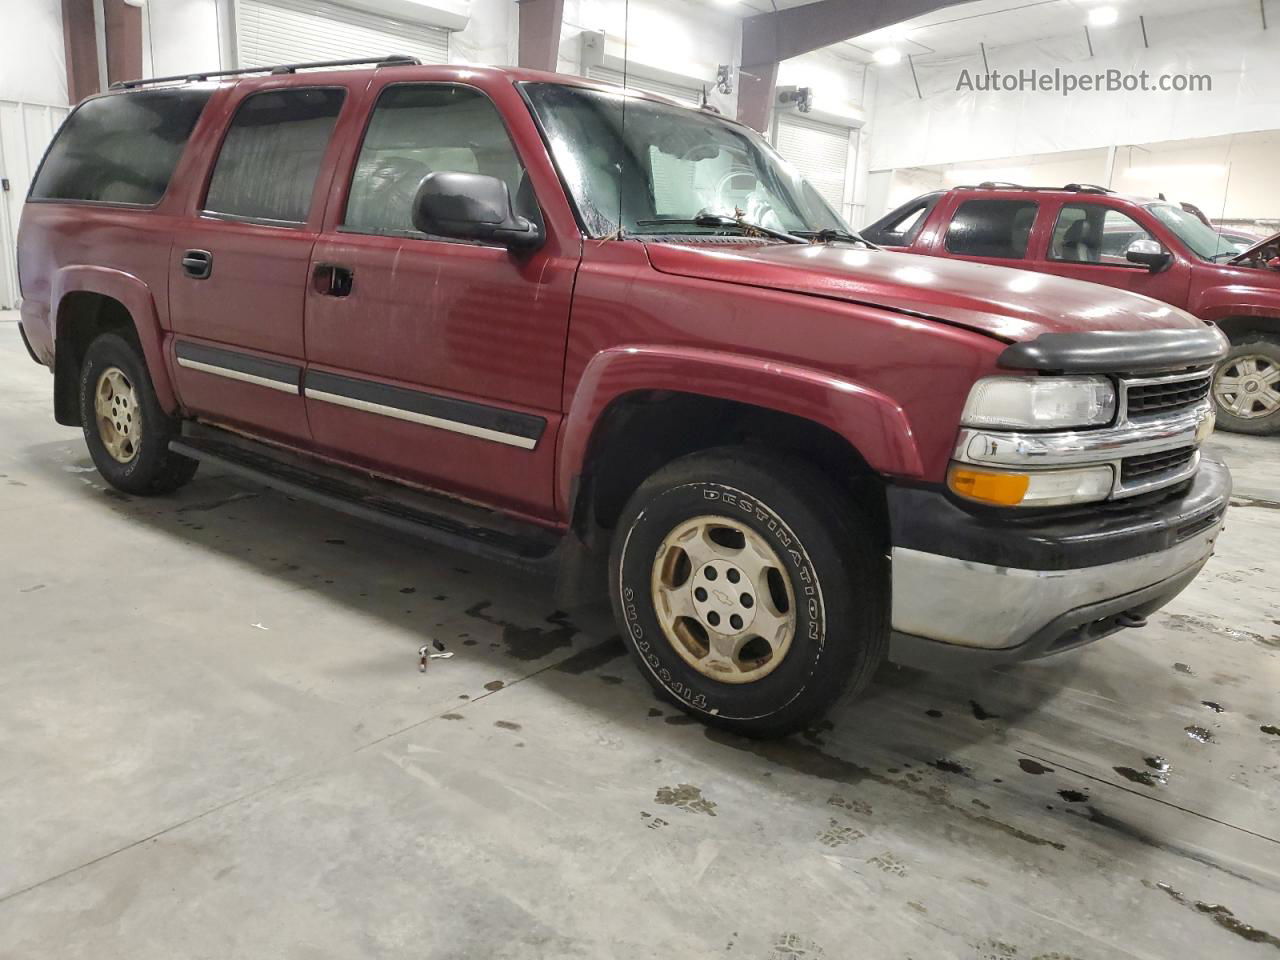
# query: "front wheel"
1246,387
125,428
750,589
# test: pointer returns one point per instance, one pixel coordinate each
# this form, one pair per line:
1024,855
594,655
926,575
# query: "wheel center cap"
723,598
1251,386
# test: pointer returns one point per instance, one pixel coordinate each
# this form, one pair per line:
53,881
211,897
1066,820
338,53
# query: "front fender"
137,298
1237,300
871,422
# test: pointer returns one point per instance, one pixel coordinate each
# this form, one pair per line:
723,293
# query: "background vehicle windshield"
668,163
1203,241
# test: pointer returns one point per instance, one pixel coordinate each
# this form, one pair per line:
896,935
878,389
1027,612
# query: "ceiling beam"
540,22
773,37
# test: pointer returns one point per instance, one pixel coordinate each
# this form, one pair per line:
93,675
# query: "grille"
1152,398
1150,466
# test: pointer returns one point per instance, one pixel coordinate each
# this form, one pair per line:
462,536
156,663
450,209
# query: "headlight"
1038,488
1040,403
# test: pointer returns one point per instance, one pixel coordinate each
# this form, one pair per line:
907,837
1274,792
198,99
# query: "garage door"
684,94
820,151
297,31
25,132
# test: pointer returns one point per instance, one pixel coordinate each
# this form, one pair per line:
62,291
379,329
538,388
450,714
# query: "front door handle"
332,280
197,264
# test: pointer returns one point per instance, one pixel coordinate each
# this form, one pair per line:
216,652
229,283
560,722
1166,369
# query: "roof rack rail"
1003,185
1086,188
997,184
390,60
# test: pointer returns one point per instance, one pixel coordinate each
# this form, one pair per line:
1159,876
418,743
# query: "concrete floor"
215,742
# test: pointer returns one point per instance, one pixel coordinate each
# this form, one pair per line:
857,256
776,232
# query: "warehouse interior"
236,724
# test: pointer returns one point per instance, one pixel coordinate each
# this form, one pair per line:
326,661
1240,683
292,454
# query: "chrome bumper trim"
979,605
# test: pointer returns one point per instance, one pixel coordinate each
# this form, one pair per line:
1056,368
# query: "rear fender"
137,299
872,423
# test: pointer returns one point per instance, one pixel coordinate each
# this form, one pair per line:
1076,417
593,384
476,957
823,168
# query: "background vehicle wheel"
751,590
1246,387
127,433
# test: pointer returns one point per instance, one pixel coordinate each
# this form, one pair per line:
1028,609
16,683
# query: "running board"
441,520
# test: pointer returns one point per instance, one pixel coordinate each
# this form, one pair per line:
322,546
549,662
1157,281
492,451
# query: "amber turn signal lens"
1004,489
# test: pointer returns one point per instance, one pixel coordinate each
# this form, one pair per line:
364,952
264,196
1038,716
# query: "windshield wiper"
828,235
721,220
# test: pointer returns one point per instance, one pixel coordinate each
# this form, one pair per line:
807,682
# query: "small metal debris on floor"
425,654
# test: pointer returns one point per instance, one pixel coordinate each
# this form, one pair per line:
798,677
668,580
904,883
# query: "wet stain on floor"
1183,668
1144,777
810,761
493,685
1200,734
506,725
687,797
1221,916
950,766
979,713
1215,707
1033,767
528,643
933,713
592,658
1268,728
1074,796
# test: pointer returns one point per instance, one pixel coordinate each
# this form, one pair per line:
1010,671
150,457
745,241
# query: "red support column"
124,40
80,43
540,22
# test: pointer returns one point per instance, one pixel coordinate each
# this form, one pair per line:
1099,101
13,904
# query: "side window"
271,156
992,228
1093,233
121,148
900,228
417,129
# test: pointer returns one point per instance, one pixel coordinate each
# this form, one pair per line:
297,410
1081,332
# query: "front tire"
752,592
125,429
1246,387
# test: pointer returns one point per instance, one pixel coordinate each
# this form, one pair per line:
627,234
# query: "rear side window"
120,148
271,156
992,228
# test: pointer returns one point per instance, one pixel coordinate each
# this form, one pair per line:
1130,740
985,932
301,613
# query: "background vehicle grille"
1150,466
1151,398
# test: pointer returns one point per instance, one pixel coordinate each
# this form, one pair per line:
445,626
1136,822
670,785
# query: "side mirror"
471,206
1274,263
1149,253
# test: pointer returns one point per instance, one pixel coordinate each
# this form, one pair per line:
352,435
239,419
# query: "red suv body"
1088,233
497,309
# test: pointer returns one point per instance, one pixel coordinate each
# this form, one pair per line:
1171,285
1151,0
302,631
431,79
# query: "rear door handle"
332,280
197,264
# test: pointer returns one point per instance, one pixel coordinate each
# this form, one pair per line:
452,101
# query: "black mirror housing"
1149,253
471,206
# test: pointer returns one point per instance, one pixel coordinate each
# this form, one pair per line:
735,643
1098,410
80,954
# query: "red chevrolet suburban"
1153,247
622,341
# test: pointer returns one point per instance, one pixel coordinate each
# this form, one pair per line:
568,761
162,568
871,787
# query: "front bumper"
973,589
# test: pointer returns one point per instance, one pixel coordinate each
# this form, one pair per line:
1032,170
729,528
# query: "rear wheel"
1246,387
750,589
125,429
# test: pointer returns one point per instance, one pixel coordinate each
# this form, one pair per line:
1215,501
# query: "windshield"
669,164
1203,241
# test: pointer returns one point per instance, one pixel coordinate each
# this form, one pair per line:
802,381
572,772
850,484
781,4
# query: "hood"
1246,254
1012,305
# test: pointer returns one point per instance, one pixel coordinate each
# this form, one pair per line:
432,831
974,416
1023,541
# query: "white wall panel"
947,126
25,132
293,31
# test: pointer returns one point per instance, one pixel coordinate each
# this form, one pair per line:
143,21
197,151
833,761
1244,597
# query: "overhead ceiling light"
887,56
1103,16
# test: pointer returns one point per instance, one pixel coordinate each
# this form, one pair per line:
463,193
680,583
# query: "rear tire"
125,429
752,591
1244,400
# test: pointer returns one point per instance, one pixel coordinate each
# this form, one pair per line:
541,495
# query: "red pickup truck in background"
1152,247
629,347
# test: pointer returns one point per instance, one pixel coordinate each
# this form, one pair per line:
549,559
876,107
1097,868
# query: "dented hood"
1013,305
